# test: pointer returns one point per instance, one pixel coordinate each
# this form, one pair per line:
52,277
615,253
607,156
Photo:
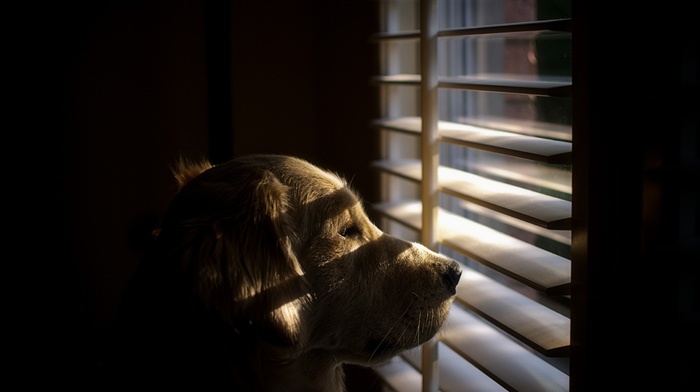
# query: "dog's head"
284,251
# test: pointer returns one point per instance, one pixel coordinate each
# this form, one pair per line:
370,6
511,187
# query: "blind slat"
409,79
526,263
525,127
561,236
508,143
536,208
555,25
490,83
539,327
546,272
501,358
505,84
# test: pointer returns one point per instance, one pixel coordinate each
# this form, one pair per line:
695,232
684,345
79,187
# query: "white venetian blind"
476,134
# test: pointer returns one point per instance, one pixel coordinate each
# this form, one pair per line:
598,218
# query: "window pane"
472,13
514,55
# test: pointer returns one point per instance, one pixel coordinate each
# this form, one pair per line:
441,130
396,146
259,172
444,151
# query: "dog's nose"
451,276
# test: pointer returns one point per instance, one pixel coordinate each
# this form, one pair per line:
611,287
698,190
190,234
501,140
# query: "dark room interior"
111,94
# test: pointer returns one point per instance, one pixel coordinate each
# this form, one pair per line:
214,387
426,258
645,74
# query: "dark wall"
634,273
115,92
301,86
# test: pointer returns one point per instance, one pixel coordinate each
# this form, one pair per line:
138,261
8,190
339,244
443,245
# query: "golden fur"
268,275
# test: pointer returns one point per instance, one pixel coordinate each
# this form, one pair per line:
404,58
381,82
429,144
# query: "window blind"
469,173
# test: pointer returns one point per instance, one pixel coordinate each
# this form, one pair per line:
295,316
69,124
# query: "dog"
266,274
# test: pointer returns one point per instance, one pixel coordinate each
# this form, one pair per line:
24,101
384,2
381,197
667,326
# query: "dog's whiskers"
392,327
420,316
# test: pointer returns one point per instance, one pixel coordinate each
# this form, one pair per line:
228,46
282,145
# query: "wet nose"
451,276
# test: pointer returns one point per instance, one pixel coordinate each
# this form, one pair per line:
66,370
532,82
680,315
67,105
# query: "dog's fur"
267,274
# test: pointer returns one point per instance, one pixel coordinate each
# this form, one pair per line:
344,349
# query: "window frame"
430,199
634,292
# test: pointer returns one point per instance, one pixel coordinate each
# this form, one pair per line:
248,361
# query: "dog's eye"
350,231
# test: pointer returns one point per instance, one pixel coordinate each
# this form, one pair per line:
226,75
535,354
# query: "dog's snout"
451,276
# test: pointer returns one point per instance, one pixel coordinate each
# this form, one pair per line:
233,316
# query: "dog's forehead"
332,180
320,189
327,186
303,174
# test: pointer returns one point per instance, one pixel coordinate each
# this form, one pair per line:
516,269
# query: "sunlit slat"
536,208
501,358
492,83
544,271
409,79
525,127
529,321
560,236
508,84
508,143
541,177
533,266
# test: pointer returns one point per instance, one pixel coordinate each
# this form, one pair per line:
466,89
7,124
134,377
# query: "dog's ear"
271,270
246,266
185,170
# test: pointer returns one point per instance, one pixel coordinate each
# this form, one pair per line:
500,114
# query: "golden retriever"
267,275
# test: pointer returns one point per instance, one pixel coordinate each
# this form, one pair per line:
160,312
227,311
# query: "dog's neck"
300,375
274,368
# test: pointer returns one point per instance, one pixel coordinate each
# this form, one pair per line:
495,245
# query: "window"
477,163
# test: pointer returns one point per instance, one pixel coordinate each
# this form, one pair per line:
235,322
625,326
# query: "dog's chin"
379,351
